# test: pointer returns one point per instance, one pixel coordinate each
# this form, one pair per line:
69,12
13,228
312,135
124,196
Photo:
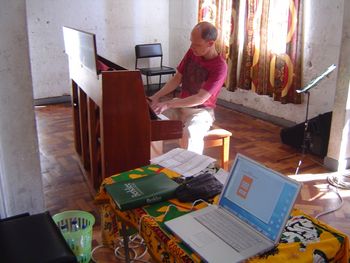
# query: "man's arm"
170,86
191,101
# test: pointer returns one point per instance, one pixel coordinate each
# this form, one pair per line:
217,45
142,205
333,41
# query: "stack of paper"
184,162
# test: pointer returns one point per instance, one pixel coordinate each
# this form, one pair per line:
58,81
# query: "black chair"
152,51
33,239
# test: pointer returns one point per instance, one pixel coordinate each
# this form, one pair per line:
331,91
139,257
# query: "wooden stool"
219,137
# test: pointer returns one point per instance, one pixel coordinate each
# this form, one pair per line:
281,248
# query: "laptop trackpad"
201,239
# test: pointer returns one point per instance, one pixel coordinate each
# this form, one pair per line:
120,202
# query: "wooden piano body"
112,125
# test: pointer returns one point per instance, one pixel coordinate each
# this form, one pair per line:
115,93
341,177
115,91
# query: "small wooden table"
305,238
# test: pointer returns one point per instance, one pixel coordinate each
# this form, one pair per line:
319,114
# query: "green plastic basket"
79,241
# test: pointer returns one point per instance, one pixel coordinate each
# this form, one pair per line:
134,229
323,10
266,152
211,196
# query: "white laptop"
252,212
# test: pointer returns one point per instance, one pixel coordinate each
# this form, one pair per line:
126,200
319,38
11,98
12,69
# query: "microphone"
316,81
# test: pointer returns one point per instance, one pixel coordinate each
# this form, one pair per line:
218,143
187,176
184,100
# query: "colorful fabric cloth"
305,239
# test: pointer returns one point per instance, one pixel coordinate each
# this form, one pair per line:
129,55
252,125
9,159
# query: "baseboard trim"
52,100
333,164
260,115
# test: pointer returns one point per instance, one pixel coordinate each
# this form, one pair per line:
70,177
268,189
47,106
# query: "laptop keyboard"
225,228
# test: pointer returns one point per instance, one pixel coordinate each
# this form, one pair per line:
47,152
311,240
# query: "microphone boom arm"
317,80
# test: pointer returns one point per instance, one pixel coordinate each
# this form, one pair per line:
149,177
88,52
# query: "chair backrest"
148,51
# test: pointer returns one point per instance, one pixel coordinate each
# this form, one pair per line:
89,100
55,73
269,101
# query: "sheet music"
184,162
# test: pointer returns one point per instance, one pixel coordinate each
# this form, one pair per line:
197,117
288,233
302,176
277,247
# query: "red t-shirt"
199,73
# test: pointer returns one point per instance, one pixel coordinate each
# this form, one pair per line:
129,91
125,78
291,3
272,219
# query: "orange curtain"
267,60
218,12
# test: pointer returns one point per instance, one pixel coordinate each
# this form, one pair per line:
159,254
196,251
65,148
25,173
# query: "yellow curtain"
267,59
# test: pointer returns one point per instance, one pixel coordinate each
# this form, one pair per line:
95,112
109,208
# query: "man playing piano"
200,74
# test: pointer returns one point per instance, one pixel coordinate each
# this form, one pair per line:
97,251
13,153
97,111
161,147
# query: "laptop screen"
259,196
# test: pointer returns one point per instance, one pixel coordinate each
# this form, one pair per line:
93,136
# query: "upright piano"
113,129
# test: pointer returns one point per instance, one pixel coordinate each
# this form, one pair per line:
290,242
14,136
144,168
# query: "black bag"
203,186
318,129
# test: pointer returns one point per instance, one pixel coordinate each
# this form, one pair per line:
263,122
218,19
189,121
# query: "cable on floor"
335,190
340,180
337,181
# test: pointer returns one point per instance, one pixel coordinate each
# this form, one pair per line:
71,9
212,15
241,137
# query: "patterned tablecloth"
305,239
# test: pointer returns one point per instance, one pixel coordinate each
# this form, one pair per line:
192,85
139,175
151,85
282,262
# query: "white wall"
183,16
20,177
322,36
338,156
118,24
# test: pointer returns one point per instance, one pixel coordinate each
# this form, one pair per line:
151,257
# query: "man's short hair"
208,31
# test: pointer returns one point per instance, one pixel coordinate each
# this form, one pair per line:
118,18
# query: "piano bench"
219,137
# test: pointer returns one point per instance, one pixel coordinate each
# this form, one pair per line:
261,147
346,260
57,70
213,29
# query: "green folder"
142,191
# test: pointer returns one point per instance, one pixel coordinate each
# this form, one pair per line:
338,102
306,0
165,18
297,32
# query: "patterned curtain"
265,48
218,12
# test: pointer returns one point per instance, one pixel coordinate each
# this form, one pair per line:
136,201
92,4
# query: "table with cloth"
305,239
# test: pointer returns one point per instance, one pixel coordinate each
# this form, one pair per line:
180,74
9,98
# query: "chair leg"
160,81
225,152
147,84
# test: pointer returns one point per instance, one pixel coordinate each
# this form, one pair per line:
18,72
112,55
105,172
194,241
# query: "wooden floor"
65,187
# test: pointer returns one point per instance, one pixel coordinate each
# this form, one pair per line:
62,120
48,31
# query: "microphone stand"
307,135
